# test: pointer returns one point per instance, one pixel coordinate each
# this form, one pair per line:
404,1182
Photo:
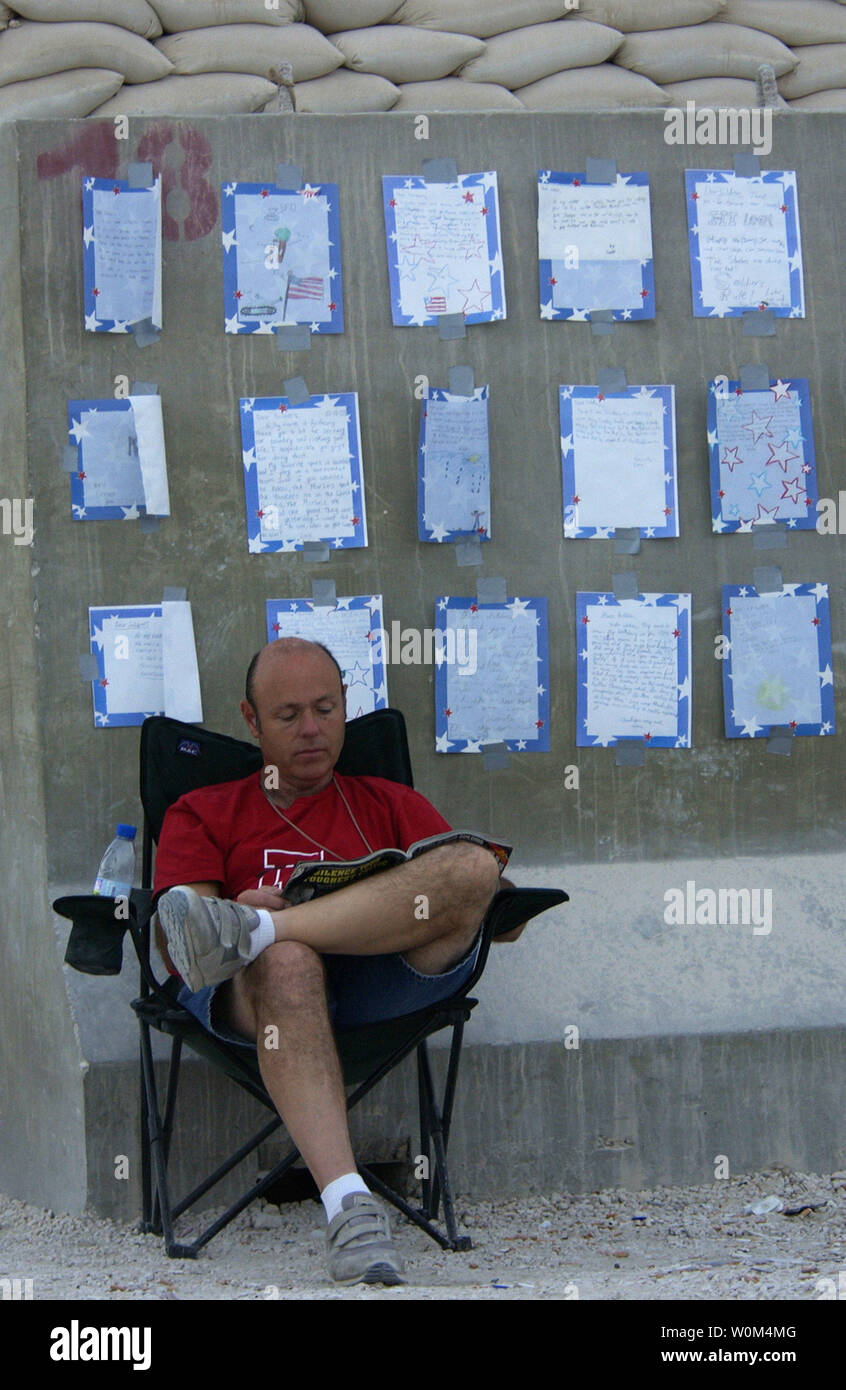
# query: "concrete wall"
724,814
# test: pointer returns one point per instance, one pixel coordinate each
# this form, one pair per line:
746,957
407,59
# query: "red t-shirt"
231,835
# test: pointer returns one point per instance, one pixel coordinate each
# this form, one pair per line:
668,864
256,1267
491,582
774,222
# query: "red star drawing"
763,305
447,712
483,211
781,459
481,530
668,511
369,636
792,724
815,622
577,183
392,203
647,737
104,682
644,294
731,463
81,476
355,520
758,426
600,397
809,501
676,632
259,513
791,487
738,390
275,627
264,193
468,197
577,499
552,280
721,493
283,408
116,190
694,197
728,612
332,305
95,292
538,723
783,207
239,294
766,511
586,619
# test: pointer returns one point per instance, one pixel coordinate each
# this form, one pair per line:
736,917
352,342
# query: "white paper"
743,244
619,461
499,700
112,468
345,632
132,662
181,677
632,670
596,238
457,467
149,432
775,660
283,258
127,254
442,251
303,474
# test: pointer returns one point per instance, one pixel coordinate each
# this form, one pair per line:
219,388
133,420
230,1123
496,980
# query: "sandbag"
135,15
209,94
404,54
832,100
479,17
792,21
75,93
344,91
5,16
176,15
330,16
714,92
451,94
36,50
820,67
251,48
599,88
634,15
704,50
527,55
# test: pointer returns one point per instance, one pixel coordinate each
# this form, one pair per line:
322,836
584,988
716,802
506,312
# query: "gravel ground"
690,1243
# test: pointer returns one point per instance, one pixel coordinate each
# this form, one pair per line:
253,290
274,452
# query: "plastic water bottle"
117,867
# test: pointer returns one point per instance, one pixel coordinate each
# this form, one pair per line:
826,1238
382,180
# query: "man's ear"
251,718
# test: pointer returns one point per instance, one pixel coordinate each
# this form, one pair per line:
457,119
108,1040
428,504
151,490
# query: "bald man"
258,969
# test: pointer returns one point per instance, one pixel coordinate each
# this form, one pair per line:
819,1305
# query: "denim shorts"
360,990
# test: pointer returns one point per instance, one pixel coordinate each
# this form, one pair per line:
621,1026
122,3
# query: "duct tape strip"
289,176
70,458
143,388
601,171
451,326
491,588
755,376
780,739
148,524
440,170
767,579
296,390
88,667
292,337
461,381
494,756
612,379
625,585
140,175
629,754
627,540
601,322
323,593
468,551
759,323
769,538
316,552
144,333
747,166
174,594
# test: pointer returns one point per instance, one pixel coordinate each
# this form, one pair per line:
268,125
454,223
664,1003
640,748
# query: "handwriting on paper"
602,222
283,257
303,473
457,465
775,659
110,459
632,671
619,461
126,253
441,251
500,699
742,244
133,667
346,632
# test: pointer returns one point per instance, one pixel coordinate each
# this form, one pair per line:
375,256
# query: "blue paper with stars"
745,243
122,255
352,630
777,660
444,248
633,670
491,675
761,450
121,471
302,472
595,247
281,257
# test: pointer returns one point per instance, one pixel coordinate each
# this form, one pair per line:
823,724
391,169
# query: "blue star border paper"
802,464
736,725
80,510
681,738
785,177
580,313
435,532
471,186
372,604
572,529
328,193
532,610
344,400
102,717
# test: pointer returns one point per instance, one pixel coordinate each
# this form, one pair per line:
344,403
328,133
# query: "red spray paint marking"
202,217
94,151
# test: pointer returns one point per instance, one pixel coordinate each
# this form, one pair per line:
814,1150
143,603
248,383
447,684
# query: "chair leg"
441,1182
449,1098
425,1151
161,1206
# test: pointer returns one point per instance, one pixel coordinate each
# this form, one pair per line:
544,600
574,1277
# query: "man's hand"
271,898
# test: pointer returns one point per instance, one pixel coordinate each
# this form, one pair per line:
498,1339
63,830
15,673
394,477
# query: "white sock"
263,935
334,1193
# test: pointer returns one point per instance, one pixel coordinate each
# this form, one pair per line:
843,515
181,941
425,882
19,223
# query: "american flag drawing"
305,287
435,304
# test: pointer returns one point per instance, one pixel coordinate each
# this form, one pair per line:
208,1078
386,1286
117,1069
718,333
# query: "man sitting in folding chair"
258,970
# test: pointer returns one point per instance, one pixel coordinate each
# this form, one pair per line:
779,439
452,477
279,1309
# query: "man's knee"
289,971
475,869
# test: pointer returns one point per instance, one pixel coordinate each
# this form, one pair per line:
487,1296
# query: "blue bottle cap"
127,832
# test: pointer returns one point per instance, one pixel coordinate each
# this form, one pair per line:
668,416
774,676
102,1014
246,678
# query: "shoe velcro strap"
355,1223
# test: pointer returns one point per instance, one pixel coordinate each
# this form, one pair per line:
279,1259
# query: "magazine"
312,879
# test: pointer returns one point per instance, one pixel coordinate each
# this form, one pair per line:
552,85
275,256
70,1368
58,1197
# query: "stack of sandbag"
815,31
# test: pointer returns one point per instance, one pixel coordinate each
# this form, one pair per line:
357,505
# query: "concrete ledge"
532,1117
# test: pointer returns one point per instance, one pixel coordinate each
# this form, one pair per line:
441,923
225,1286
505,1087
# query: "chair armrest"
513,906
95,944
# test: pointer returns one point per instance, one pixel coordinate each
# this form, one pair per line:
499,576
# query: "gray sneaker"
359,1245
208,939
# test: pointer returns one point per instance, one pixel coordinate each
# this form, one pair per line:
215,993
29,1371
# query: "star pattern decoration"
758,426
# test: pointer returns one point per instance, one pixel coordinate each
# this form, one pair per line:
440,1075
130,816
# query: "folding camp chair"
177,758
